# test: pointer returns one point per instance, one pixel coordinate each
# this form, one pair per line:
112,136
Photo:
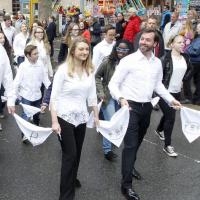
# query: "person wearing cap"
133,26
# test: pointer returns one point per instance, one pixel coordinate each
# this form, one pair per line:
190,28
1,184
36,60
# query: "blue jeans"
36,117
20,60
108,112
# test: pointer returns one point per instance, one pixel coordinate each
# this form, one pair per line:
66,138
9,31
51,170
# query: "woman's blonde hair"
187,29
67,37
87,64
172,39
45,39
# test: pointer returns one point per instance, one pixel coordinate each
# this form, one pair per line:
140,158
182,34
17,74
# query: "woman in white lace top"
73,86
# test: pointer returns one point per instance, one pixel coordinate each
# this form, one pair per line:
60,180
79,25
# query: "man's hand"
176,104
11,109
123,102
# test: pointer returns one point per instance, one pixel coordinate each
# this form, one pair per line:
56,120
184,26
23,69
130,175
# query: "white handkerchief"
190,120
35,134
3,98
115,129
154,101
30,110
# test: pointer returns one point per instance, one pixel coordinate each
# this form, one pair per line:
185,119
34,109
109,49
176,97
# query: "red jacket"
132,28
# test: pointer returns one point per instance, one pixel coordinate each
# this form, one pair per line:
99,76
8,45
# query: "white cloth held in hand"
30,110
190,120
35,134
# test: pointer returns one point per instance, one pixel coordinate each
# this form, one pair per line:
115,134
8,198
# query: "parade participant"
28,81
120,26
73,85
171,29
103,76
152,23
176,69
133,26
8,29
193,51
51,33
44,24
72,33
193,17
6,78
4,42
133,83
39,39
84,31
104,48
166,17
19,43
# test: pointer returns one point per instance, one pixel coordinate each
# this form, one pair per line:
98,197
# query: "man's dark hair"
7,17
167,6
109,27
150,30
28,50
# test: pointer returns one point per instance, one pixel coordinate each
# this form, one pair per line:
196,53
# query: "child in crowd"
28,82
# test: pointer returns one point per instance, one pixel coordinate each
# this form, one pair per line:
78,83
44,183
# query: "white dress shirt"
29,79
9,33
179,69
6,76
19,44
169,32
100,51
136,77
69,95
44,57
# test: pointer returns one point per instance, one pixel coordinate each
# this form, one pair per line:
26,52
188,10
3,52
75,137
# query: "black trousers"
52,48
168,119
196,77
71,144
138,124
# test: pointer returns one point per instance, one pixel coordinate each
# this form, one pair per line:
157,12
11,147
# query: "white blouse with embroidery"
69,95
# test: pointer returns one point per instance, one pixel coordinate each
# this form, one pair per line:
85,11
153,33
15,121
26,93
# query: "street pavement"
33,173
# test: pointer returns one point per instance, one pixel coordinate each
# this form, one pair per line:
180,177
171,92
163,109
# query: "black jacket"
120,29
168,68
51,31
161,43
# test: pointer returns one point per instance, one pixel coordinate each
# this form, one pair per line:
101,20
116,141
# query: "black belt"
138,103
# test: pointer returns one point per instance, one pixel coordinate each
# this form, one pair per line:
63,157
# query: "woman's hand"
96,121
56,127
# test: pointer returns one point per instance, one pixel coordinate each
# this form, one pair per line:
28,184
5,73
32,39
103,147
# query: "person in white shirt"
73,86
8,30
28,81
6,78
104,48
19,43
176,69
135,79
171,29
39,39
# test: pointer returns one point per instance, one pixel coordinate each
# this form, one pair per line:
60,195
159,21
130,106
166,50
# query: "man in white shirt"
171,29
104,48
133,83
6,78
8,30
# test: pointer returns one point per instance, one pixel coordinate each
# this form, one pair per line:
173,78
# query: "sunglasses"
122,50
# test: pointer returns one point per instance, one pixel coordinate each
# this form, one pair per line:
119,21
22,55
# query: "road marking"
185,156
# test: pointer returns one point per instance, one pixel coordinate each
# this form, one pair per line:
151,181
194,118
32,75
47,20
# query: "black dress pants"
168,119
196,77
140,114
71,144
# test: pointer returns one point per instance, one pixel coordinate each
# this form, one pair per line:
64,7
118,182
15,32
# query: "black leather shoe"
110,156
136,175
129,193
77,183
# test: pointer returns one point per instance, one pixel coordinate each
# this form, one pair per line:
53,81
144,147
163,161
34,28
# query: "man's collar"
141,56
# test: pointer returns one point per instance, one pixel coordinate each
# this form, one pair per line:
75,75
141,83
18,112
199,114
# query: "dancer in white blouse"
73,85
39,39
19,43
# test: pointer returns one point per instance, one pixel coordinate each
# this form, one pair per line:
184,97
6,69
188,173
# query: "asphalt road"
33,173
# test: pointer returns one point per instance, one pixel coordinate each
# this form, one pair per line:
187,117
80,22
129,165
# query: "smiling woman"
73,86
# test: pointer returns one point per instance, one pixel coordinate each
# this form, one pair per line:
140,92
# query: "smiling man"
135,79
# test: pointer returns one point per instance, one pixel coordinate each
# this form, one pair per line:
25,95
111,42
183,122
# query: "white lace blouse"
69,95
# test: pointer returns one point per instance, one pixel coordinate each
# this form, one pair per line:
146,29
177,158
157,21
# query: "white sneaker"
1,127
169,150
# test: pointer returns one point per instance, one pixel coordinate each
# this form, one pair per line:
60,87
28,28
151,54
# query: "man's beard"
144,48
